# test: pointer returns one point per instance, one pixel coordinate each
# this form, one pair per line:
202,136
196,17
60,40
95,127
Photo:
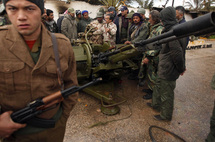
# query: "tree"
114,3
207,5
147,4
200,4
194,4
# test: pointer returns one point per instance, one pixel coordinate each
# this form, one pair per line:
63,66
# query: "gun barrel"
72,90
197,24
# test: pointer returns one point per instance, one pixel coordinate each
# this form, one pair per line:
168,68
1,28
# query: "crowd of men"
160,65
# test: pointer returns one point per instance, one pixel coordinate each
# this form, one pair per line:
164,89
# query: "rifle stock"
44,104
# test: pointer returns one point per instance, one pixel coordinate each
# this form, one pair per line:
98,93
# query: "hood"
168,18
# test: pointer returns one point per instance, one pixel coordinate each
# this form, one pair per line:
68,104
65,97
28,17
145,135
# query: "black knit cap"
39,3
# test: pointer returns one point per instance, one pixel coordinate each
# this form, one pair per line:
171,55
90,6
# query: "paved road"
192,111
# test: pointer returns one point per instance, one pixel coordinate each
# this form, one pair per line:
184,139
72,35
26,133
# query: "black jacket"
172,54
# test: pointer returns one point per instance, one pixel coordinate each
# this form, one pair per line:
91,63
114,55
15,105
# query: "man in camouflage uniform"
211,135
150,58
97,24
108,30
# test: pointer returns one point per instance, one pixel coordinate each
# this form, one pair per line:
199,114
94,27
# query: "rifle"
44,104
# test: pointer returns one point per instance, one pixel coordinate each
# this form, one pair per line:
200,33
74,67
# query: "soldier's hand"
145,61
107,29
127,42
183,72
7,126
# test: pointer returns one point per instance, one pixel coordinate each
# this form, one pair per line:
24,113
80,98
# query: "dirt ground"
193,106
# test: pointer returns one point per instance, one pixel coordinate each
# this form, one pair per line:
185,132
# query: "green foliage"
114,3
200,4
212,37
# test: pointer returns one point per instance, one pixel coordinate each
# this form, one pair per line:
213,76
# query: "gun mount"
95,60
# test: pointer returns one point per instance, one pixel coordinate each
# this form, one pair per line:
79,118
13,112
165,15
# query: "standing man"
171,66
29,72
97,24
82,24
180,14
108,30
50,24
122,25
69,25
78,15
149,65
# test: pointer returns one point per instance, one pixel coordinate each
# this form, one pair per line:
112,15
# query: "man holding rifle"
28,71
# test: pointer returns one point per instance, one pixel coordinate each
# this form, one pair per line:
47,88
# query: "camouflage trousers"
149,71
211,135
163,97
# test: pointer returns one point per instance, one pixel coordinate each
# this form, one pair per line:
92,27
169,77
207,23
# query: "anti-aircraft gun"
102,61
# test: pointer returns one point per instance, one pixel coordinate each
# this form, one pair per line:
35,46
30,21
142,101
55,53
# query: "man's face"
79,16
178,15
86,16
151,20
25,16
107,19
111,12
51,17
136,19
124,12
72,14
100,19
44,16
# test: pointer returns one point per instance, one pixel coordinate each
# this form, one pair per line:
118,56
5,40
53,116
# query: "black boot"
148,96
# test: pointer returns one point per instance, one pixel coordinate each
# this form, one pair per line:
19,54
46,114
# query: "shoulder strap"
57,61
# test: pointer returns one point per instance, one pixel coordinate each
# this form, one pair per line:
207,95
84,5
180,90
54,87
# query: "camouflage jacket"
109,36
97,38
154,31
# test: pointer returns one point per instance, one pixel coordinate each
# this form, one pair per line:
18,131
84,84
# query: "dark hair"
111,16
180,9
49,11
155,16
